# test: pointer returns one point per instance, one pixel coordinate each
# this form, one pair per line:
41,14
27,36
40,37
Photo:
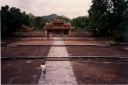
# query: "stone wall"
73,33
30,34
81,33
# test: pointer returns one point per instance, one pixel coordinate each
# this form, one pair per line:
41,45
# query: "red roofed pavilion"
58,27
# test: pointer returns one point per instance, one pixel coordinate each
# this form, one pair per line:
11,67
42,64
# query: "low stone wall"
81,33
74,33
30,34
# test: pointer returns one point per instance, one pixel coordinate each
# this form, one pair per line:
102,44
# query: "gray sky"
69,8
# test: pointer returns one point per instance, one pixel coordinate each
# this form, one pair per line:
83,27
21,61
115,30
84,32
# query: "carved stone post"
69,32
45,32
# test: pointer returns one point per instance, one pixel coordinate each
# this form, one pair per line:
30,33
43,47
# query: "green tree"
120,22
4,20
80,22
66,19
109,17
39,22
12,19
97,15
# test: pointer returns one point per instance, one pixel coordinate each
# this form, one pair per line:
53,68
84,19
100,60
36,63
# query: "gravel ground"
26,51
20,71
100,72
96,51
33,42
88,42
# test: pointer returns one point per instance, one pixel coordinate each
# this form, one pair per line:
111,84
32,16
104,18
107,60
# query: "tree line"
106,18
109,18
13,19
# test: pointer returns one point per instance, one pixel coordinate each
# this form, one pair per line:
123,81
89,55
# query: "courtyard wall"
35,33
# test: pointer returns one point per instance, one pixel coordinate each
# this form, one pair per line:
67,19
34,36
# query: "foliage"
80,22
109,17
66,19
11,19
39,22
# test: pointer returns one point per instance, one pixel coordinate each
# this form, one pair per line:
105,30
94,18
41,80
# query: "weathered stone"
58,72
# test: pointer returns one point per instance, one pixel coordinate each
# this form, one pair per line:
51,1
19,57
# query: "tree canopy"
106,18
109,18
80,22
11,19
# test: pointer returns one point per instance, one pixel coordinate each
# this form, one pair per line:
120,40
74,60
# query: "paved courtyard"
100,71
26,51
75,72
102,51
58,72
20,71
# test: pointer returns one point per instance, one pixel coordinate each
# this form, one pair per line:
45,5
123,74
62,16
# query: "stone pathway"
58,51
58,72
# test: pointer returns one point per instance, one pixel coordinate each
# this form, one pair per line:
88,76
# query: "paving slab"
58,51
58,72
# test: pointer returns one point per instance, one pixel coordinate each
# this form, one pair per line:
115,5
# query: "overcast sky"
69,8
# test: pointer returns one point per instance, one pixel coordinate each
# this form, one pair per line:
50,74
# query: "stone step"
68,58
57,59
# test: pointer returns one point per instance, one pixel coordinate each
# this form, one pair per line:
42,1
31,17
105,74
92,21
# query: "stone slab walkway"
58,51
58,72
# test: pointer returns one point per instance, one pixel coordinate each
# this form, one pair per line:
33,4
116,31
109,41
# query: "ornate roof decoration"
58,24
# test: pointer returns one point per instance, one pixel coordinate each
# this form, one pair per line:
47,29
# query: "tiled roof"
53,25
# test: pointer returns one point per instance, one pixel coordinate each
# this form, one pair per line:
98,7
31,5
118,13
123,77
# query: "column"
45,32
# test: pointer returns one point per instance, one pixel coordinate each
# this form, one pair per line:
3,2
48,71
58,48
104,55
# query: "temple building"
58,28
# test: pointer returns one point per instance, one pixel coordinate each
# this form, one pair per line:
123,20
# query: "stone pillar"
62,33
45,32
69,33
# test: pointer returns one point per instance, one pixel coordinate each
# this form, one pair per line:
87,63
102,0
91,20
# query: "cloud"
69,8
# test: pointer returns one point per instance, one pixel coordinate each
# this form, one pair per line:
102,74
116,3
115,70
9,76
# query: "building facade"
58,28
